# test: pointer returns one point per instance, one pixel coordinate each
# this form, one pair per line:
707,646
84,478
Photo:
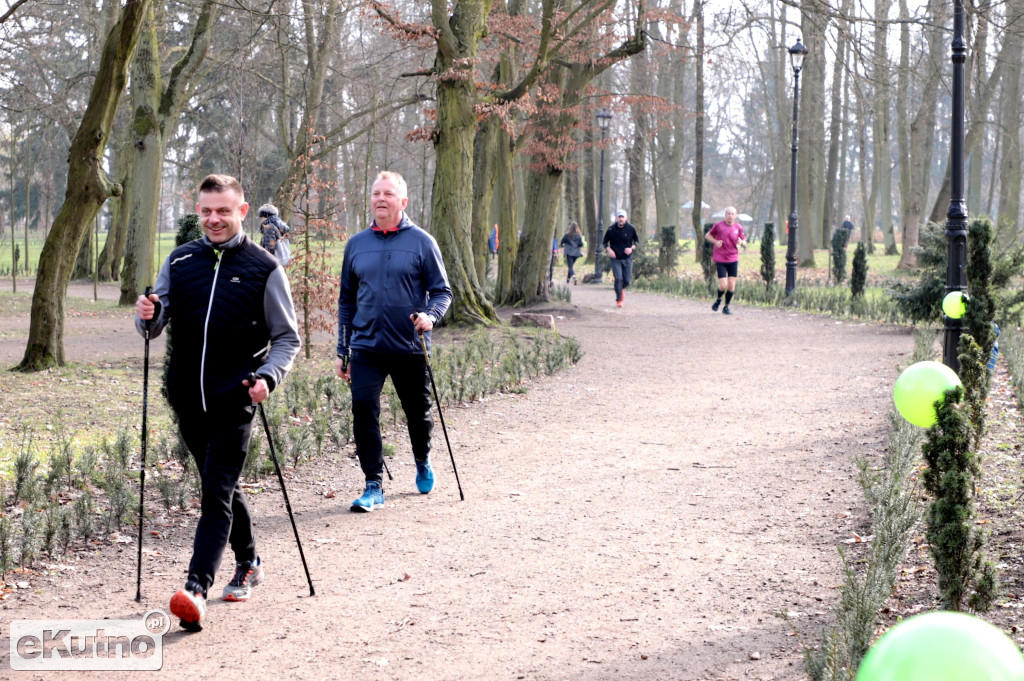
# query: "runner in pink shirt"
728,237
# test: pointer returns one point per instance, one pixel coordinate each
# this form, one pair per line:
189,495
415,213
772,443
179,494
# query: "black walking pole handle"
157,306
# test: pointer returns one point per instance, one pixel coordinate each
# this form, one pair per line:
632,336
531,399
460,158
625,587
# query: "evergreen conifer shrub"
668,251
981,307
840,238
965,579
768,256
859,275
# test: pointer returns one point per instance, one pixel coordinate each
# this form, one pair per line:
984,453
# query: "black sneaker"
725,310
247,575
714,305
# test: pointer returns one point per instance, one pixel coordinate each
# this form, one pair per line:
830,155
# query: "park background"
510,113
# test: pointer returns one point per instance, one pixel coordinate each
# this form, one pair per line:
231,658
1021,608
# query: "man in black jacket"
393,288
231,309
620,240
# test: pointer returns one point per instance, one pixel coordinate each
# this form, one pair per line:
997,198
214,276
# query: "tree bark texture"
810,164
156,109
1008,211
87,189
452,194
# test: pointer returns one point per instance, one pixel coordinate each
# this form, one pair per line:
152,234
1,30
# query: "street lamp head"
796,55
604,119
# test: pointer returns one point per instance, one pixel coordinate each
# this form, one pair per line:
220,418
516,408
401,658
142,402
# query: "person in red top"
728,237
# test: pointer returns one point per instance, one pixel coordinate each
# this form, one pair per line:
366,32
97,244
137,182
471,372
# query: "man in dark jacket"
620,240
230,306
393,287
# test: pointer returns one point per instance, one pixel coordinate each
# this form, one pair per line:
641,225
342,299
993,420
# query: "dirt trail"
644,515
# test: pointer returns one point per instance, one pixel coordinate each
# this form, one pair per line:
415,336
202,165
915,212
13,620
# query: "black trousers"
409,375
219,441
570,260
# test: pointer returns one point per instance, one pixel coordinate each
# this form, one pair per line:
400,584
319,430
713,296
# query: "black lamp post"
956,214
604,119
796,57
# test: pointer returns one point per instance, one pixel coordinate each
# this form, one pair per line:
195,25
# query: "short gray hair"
399,181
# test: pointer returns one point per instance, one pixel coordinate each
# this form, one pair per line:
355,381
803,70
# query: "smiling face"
221,214
388,201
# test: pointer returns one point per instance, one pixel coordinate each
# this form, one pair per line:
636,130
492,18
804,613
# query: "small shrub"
668,251
840,239
6,545
859,276
28,548
26,478
964,577
85,512
768,256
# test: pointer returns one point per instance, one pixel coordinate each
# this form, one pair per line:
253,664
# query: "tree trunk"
156,110
485,145
975,129
977,63
529,281
87,189
1008,210
636,155
508,215
810,164
696,220
918,155
452,194
145,159
834,133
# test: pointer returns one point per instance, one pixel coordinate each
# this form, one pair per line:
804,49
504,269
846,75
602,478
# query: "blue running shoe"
372,496
424,476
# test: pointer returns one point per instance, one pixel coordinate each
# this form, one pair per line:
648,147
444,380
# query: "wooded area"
112,112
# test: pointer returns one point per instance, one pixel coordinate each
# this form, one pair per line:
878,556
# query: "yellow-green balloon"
943,646
919,387
954,305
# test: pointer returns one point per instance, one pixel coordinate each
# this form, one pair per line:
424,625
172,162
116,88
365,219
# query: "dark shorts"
727,269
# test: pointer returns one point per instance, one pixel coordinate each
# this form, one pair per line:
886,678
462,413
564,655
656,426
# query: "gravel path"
645,514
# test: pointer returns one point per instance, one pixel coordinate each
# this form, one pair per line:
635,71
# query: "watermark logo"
89,645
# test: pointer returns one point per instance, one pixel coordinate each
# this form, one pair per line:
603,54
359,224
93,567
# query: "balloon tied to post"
954,305
919,387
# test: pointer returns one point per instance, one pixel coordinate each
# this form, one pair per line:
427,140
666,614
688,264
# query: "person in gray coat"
572,248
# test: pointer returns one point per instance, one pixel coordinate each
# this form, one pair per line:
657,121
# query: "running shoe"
189,605
372,496
424,476
247,575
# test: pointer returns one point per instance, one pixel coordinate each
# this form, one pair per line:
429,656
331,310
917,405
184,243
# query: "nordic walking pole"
280,478
344,365
437,401
145,437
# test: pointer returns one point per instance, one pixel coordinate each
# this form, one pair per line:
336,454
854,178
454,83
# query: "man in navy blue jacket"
393,287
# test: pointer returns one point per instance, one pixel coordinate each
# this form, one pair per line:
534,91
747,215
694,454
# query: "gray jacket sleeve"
284,330
162,286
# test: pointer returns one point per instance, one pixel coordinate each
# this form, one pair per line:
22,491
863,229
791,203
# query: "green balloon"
943,646
954,305
919,387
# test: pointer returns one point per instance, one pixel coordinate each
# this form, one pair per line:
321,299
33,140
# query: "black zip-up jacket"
227,303
621,238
